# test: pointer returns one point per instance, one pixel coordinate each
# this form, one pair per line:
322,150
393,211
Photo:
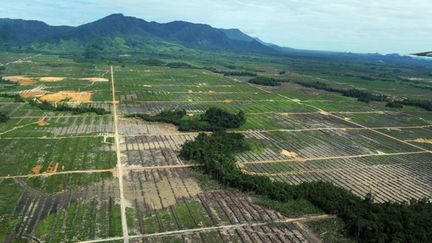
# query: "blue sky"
385,26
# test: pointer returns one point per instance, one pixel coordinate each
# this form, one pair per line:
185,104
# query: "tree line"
265,81
214,119
365,96
63,107
17,98
361,95
364,219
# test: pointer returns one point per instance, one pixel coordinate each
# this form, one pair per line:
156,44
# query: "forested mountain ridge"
125,32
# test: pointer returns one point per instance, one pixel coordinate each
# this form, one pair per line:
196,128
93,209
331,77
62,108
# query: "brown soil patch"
51,79
69,95
423,140
94,79
32,93
42,122
20,80
37,169
293,155
227,101
192,186
52,168
165,192
325,113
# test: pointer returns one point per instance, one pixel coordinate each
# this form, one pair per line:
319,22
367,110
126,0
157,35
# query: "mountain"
23,31
125,33
236,34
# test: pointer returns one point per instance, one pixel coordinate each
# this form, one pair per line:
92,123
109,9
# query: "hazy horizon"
352,26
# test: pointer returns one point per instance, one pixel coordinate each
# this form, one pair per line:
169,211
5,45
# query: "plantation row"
33,156
153,150
316,144
364,219
71,215
187,209
252,106
389,178
365,96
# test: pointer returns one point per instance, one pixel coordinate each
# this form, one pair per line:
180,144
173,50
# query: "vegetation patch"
179,65
265,81
364,219
214,119
16,97
365,96
63,107
4,117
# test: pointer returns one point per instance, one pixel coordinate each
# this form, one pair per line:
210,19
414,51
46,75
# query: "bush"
239,73
151,62
179,65
17,98
4,117
425,104
265,81
394,104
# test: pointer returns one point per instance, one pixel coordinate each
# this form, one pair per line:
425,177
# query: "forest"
214,119
364,219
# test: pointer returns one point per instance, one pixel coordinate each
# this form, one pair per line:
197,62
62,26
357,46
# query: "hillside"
125,33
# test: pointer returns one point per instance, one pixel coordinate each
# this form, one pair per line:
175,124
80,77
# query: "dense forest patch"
213,119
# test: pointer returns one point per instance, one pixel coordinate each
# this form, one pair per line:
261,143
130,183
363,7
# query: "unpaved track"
306,129
343,119
119,163
222,227
331,157
112,170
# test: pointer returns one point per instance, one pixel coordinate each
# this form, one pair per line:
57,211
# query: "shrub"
4,117
265,81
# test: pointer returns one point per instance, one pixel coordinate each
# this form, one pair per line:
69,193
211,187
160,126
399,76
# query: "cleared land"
97,178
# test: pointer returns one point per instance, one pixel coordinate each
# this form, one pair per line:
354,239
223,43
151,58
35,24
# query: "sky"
365,26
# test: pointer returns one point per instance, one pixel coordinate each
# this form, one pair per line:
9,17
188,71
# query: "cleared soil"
20,80
423,140
51,79
94,79
69,95
289,154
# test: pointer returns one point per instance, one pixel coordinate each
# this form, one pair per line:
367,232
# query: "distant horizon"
323,25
